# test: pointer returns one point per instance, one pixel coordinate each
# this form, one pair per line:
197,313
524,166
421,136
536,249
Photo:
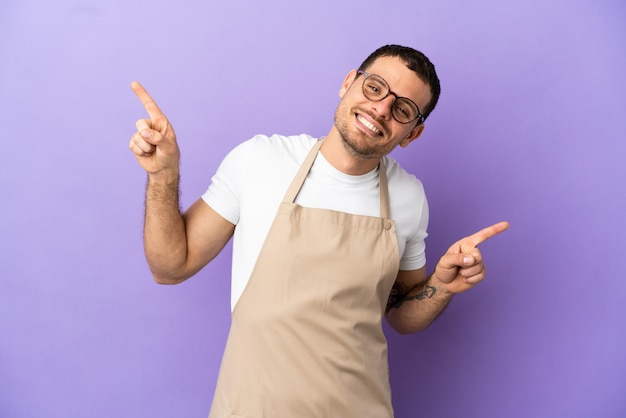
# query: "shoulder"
263,152
270,161
409,205
402,180
282,145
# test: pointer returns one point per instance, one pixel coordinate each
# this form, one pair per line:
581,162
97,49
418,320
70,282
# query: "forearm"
412,310
416,301
165,239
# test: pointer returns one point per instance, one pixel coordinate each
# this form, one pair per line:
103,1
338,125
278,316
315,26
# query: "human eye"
402,110
405,109
374,88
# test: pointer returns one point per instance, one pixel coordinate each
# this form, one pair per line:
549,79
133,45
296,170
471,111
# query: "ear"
347,82
413,135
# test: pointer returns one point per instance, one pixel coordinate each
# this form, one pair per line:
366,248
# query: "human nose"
384,107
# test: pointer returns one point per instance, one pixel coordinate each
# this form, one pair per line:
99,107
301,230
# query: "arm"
416,301
177,246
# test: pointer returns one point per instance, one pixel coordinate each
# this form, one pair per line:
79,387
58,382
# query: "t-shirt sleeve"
224,192
414,256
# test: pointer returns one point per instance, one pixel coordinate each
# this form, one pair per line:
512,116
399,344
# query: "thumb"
448,266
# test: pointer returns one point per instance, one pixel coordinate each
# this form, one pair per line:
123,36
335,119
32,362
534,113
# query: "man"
328,238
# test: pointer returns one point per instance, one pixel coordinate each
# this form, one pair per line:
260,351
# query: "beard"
356,142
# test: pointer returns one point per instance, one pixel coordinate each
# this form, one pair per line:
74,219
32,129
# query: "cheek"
344,107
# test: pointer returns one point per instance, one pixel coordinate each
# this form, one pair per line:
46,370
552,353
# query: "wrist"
442,291
163,186
164,178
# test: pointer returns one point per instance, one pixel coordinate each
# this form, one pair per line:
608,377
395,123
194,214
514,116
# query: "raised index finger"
148,102
483,235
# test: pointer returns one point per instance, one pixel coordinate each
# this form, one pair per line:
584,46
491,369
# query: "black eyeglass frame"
366,75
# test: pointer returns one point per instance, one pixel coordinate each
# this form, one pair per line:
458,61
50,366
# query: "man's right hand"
154,143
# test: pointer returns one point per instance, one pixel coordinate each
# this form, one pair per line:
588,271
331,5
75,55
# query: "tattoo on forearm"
398,295
428,292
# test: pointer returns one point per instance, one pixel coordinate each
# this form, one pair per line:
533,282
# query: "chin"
358,150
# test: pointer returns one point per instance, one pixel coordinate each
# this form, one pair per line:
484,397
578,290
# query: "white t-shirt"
253,178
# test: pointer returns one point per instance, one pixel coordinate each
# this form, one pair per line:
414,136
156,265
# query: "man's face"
368,128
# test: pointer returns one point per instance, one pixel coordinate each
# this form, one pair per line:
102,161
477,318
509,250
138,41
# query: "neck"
336,153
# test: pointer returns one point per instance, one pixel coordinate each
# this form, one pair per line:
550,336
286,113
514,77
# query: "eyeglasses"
404,110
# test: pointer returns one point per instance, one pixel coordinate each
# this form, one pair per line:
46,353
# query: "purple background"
530,128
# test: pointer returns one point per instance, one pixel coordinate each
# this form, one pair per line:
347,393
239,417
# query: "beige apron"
306,339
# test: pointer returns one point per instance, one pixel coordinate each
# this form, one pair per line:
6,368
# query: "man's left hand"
462,267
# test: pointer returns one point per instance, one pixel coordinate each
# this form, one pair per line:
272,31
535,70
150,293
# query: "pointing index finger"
484,234
148,102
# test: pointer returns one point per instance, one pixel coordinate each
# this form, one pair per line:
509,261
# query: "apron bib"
306,339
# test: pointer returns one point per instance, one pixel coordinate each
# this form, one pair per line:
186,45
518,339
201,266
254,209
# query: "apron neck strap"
385,212
298,181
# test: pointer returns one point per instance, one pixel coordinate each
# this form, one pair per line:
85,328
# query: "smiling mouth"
368,125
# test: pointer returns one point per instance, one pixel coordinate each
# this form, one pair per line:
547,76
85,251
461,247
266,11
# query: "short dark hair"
416,62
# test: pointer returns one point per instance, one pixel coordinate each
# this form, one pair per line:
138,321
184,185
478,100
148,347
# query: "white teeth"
368,124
